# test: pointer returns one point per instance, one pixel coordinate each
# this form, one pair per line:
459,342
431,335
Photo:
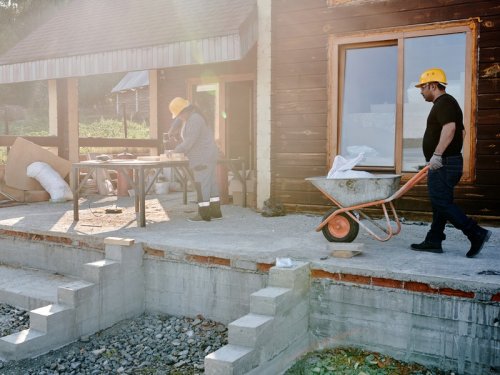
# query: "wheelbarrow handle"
409,184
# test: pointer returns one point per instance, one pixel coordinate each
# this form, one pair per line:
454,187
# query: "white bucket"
161,187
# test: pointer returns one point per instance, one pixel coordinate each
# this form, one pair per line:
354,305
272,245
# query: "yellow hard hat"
177,105
432,75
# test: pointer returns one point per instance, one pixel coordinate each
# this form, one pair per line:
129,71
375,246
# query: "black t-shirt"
444,111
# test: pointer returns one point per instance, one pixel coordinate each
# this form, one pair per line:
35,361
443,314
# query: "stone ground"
148,344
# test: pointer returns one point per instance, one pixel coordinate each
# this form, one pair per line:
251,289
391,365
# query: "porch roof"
132,80
89,37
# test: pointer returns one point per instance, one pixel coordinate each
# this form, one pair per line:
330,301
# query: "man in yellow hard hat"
198,144
442,147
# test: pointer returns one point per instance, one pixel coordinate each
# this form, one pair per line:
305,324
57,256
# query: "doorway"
239,118
228,106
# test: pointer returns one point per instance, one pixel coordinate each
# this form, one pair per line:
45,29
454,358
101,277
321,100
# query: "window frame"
338,43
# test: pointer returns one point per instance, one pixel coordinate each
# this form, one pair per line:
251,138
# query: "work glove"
436,162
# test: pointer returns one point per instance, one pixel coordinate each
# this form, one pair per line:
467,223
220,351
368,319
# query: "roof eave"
202,51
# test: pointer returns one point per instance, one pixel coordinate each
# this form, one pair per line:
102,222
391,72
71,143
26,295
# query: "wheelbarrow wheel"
341,228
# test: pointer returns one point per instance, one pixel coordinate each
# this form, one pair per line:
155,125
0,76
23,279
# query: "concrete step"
295,277
251,330
29,288
231,360
51,318
270,301
22,344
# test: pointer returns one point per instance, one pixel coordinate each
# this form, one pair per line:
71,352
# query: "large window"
376,108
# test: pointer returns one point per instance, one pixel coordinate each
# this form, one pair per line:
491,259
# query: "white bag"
50,180
342,168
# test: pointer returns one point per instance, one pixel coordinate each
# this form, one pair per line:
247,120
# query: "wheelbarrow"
351,195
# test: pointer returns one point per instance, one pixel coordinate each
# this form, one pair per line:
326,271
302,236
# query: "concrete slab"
245,235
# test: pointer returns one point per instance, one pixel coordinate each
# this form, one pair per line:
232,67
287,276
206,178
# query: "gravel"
148,344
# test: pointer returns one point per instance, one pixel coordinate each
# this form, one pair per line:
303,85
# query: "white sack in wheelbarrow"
50,180
342,168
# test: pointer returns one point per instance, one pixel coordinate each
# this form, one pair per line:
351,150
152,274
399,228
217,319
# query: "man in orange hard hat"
442,146
198,144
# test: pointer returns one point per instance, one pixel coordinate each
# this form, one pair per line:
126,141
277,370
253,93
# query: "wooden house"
289,84
343,75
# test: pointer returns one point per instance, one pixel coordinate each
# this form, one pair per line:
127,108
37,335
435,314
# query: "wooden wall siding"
300,97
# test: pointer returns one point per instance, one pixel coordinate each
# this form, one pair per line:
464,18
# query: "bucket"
161,187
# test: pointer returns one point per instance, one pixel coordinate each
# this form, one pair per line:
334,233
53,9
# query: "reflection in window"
369,105
442,51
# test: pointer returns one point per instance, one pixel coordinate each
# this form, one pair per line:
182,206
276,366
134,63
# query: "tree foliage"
18,18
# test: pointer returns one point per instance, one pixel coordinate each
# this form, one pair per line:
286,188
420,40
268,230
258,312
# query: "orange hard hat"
177,105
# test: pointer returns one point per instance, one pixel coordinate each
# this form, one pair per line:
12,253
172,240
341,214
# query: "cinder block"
231,360
271,301
296,277
52,317
250,330
244,264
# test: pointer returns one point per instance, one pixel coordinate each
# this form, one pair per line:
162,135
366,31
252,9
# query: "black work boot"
478,238
203,213
431,247
215,212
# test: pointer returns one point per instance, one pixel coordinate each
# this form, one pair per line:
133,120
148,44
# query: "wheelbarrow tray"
354,191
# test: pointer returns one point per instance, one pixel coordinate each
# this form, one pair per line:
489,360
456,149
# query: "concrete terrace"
245,235
441,310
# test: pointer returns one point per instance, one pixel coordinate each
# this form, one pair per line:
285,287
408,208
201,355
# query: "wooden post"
154,129
67,118
73,120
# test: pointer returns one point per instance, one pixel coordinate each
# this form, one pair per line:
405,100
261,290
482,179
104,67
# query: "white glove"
436,162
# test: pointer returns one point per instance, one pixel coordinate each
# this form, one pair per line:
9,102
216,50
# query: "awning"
89,37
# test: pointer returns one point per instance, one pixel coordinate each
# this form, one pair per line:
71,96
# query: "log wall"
300,99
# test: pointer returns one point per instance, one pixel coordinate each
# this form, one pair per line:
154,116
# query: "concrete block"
129,256
100,270
21,344
52,317
231,360
271,301
75,293
250,265
296,277
250,330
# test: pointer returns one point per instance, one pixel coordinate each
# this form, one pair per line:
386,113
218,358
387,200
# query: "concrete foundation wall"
218,293
450,333
439,326
63,255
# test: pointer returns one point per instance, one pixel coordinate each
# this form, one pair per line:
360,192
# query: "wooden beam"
154,128
118,142
73,120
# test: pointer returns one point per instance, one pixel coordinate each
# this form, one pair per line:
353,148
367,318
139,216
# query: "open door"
238,114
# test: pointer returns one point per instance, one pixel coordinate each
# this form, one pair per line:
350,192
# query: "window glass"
441,51
369,105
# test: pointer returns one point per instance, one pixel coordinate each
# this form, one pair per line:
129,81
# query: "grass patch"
351,361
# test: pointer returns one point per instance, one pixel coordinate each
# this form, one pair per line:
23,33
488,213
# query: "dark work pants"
206,178
441,183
